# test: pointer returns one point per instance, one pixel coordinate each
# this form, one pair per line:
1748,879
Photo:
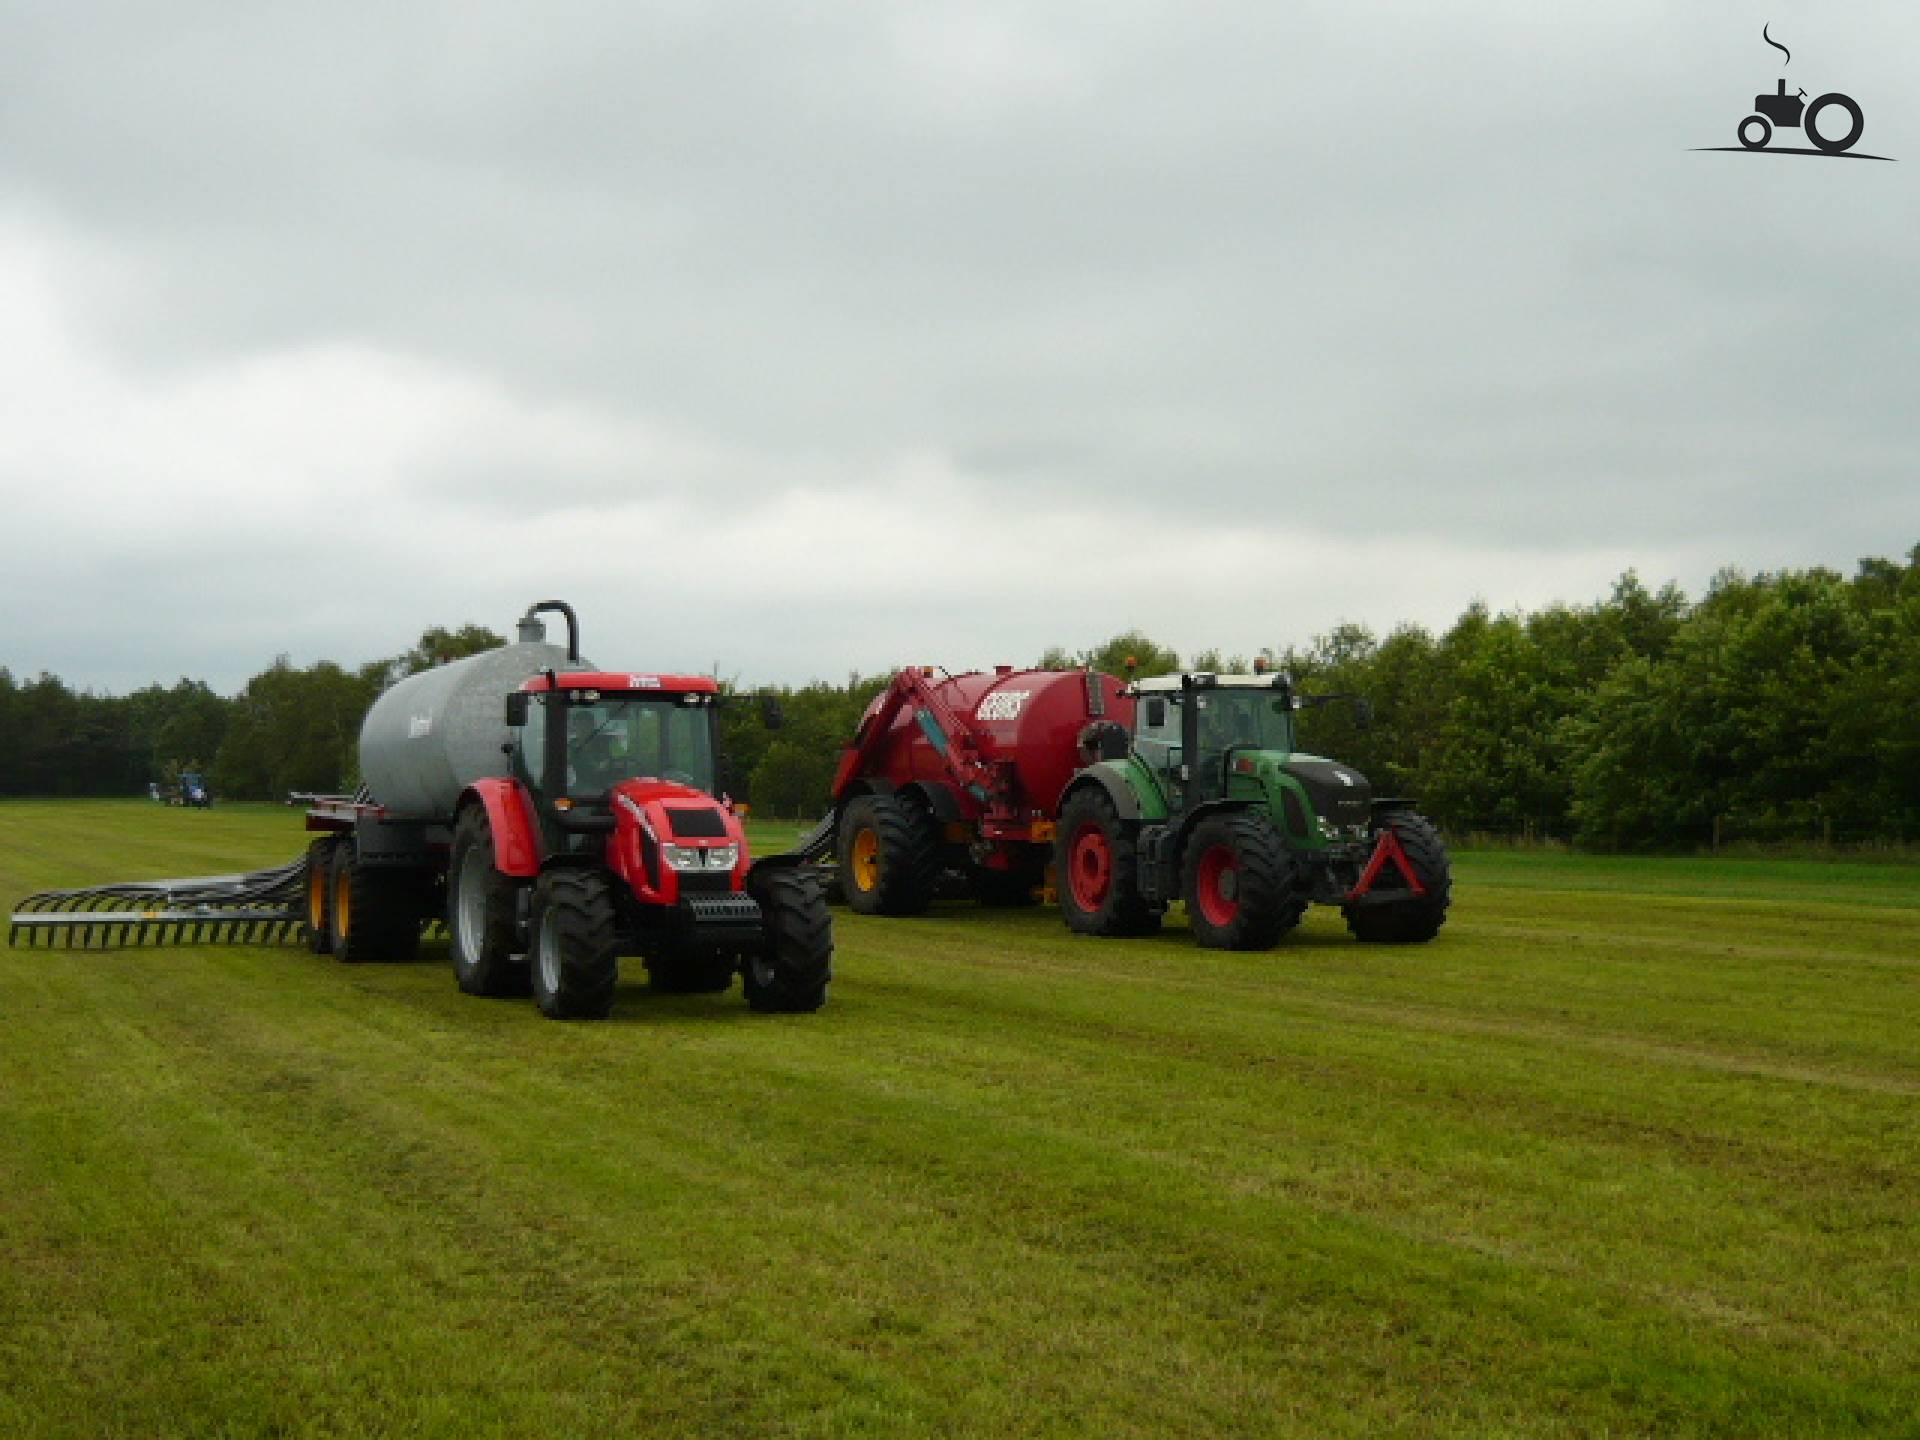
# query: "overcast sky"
799,339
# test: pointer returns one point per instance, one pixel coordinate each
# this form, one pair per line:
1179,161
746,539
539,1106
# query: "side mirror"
1156,713
517,709
771,715
1363,714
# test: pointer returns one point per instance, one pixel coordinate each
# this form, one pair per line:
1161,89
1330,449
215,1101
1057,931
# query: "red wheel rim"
1089,867
1216,885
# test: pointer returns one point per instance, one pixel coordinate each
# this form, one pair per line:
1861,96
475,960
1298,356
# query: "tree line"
1778,706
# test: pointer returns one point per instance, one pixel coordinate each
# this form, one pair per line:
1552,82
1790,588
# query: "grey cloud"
1448,274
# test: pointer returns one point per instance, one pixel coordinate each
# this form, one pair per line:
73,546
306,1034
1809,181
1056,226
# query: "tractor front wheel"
791,970
889,856
575,961
481,905
1239,888
1411,918
1096,857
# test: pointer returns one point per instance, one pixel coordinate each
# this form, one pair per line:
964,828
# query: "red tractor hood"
650,815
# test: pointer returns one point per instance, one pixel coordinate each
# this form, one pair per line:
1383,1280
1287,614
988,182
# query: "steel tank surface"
435,733
1030,717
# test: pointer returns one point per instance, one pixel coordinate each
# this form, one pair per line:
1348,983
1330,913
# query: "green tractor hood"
1303,789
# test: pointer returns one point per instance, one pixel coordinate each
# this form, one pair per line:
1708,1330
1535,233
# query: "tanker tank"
433,734
1031,718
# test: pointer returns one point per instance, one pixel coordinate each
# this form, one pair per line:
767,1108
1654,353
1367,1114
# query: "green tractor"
1207,801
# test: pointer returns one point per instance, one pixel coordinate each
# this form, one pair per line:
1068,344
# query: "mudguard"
938,798
1111,776
516,833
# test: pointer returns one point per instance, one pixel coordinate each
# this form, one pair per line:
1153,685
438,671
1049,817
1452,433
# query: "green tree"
294,730
1148,657
436,646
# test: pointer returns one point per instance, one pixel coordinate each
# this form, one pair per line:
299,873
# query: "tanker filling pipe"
559,607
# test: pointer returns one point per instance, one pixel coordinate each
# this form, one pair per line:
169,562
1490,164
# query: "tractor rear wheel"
482,907
1415,918
1096,856
316,926
790,973
1810,123
698,974
374,910
575,961
889,856
1239,884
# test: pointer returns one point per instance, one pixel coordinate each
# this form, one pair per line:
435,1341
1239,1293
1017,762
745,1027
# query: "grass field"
1632,1149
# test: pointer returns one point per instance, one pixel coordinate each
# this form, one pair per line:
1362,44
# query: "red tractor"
563,817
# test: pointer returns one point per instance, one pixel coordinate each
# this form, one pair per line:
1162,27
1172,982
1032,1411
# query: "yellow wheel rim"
316,899
866,859
342,908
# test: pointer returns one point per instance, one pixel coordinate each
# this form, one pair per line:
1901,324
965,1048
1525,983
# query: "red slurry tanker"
963,774
1182,787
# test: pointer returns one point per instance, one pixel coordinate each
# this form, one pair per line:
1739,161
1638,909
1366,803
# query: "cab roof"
626,681
1206,680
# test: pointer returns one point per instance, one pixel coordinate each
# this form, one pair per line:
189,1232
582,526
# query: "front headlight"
692,857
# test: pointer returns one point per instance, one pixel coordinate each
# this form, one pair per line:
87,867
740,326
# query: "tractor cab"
579,735
1190,731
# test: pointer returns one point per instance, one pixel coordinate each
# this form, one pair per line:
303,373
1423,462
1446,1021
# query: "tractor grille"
721,912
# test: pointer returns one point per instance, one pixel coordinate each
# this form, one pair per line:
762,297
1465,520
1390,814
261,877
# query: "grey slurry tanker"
557,817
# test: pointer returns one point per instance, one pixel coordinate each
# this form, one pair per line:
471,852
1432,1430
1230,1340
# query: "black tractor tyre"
575,963
1096,862
1810,126
316,921
790,973
374,911
1003,889
482,913
697,974
1240,883
1766,132
889,853
1416,918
